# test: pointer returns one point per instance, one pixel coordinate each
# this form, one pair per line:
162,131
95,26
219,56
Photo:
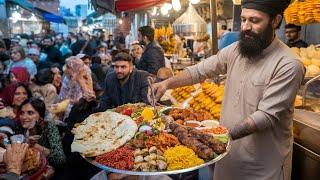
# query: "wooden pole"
213,11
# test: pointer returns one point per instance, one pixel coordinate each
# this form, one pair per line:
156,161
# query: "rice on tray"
181,157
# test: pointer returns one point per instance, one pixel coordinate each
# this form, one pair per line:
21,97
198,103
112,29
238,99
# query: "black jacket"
152,59
54,55
78,45
298,44
133,91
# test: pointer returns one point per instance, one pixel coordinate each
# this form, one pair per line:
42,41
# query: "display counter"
306,147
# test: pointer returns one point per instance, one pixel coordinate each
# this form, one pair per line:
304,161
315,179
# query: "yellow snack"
181,157
59,107
147,114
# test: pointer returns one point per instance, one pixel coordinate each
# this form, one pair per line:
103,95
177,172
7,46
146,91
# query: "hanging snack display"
303,12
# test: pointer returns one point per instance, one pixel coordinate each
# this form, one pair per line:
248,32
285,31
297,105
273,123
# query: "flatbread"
102,132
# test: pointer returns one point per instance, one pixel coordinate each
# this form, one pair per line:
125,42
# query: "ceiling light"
163,10
168,6
16,15
176,5
194,1
154,11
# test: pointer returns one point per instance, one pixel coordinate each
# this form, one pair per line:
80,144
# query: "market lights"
154,11
176,5
194,1
166,7
164,10
15,16
33,18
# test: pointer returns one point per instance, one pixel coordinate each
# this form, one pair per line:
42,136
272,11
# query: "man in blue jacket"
152,58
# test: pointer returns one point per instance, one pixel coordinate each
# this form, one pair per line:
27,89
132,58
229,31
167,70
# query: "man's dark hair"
147,31
43,77
37,104
224,27
2,44
96,59
122,56
292,26
48,37
101,46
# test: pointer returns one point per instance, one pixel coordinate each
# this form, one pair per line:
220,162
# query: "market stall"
306,124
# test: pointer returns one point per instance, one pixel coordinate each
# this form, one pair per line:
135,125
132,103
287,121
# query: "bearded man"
125,84
263,77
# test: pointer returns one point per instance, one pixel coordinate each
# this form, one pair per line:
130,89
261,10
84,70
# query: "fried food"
162,141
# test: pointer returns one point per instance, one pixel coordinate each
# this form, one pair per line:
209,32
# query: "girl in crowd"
43,135
57,78
43,88
12,97
18,59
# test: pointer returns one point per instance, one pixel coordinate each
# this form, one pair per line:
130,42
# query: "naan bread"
102,132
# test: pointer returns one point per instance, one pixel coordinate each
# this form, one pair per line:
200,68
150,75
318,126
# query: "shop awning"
125,5
24,4
52,18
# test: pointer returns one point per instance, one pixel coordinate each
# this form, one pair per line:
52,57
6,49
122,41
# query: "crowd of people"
92,74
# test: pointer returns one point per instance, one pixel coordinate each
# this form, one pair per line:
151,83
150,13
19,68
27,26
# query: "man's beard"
253,46
123,76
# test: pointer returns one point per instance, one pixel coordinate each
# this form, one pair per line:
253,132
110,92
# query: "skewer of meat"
217,146
199,148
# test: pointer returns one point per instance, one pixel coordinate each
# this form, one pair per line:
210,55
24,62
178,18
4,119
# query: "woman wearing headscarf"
12,97
77,86
77,80
19,74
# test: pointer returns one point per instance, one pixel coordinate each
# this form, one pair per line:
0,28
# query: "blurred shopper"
293,35
19,59
136,50
53,54
152,59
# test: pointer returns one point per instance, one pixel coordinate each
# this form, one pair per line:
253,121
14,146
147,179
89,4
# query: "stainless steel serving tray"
140,173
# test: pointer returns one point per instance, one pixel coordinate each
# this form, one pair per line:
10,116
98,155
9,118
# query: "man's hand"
32,140
158,89
14,157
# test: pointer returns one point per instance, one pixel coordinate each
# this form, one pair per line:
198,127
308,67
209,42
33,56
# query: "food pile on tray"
136,138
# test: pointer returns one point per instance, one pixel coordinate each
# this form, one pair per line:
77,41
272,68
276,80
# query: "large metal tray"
140,173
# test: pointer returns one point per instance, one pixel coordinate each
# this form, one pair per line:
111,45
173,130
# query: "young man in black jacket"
54,55
125,84
152,59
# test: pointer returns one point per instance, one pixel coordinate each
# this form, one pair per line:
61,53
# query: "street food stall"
306,124
207,97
